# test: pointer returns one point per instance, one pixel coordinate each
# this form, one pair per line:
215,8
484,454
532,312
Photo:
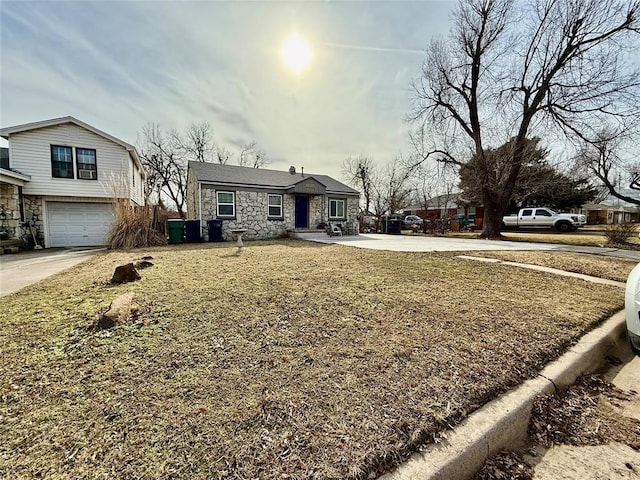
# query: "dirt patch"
292,360
588,413
506,465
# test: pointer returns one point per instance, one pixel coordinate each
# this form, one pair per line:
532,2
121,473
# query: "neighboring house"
267,203
446,206
613,210
60,178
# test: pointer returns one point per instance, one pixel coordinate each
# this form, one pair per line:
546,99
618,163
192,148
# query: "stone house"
267,203
59,179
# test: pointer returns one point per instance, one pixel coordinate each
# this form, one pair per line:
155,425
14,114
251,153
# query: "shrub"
619,233
133,227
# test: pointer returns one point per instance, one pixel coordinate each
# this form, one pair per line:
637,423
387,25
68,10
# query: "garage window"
226,204
61,161
87,168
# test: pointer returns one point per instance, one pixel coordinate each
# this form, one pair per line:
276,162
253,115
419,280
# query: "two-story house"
59,180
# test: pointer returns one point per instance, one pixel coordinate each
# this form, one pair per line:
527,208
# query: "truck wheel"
634,348
563,227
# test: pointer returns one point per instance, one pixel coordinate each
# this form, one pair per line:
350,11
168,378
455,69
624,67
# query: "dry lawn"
293,360
593,239
603,267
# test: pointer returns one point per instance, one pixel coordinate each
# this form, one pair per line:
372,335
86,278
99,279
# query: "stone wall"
251,214
192,203
33,212
10,210
353,209
10,213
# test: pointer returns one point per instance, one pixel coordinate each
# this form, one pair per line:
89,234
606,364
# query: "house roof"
446,200
233,175
7,131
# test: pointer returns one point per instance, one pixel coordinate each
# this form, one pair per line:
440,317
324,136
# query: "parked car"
632,308
410,220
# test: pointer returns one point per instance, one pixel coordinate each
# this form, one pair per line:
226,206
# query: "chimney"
302,169
292,170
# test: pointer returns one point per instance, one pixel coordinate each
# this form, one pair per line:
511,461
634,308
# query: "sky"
119,65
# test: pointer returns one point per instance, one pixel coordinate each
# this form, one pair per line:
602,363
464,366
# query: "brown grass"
590,238
292,360
586,414
593,265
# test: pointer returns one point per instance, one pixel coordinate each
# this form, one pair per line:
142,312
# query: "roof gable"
7,131
308,185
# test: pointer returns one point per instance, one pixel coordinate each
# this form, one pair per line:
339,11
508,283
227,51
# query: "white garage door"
78,224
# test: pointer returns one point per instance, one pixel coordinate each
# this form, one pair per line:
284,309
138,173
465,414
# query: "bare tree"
252,156
392,186
359,171
434,186
506,72
197,142
601,157
223,155
164,164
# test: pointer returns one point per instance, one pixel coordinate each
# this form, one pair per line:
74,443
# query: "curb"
503,422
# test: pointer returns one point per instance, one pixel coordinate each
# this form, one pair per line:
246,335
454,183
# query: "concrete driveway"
419,243
22,269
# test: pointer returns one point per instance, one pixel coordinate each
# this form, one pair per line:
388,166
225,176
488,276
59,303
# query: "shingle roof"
260,177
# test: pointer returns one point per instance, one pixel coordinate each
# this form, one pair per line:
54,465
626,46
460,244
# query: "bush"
133,227
619,233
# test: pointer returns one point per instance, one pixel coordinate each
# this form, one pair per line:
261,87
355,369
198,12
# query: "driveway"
419,243
22,269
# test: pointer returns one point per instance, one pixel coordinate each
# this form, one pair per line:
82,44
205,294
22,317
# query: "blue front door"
302,212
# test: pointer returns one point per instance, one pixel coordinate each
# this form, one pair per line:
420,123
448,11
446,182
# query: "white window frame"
344,208
218,203
270,205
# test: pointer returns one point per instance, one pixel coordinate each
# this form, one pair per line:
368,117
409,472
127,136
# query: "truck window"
543,212
527,212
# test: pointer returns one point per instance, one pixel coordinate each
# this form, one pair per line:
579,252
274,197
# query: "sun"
296,53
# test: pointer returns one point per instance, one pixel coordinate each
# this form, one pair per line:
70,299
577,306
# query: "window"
86,158
275,206
336,208
226,204
527,213
543,213
61,162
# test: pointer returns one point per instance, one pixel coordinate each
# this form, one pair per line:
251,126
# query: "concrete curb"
503,422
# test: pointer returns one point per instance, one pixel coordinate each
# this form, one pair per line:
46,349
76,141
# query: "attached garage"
75,224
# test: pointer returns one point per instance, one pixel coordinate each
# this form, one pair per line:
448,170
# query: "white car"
632,308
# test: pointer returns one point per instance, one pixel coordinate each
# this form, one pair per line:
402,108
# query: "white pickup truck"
536,217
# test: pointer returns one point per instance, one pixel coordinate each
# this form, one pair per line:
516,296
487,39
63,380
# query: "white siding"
31,154
136,186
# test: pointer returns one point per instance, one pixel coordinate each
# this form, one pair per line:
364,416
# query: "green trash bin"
176,231
394,226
